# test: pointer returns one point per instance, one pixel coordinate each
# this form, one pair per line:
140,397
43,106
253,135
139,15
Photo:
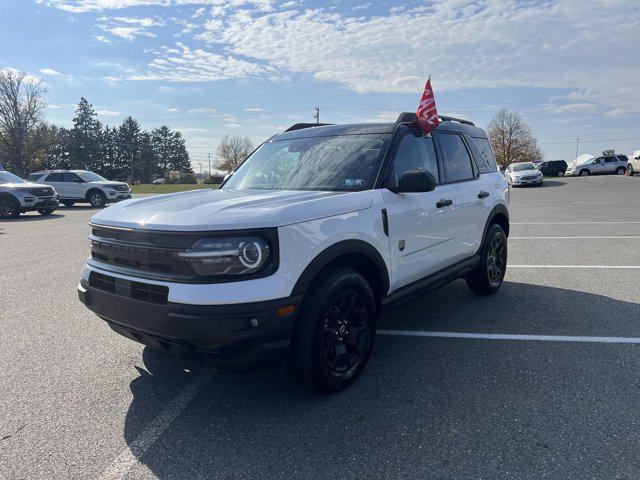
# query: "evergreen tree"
147,159
57,153
179,156
128,142
108,153
87,131
161,142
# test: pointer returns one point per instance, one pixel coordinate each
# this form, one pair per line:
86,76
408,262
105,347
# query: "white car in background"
523,173
82,186
633,166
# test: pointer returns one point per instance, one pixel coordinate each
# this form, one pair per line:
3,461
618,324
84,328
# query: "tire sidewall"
308,335
494,230
103,198
14,205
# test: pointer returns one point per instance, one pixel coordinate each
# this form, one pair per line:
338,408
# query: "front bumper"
518,183
38,203
116,196
236,337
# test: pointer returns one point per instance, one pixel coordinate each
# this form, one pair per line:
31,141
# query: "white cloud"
83,6
253,109
203,111
127,28
51,72
232,125
107,113
103,39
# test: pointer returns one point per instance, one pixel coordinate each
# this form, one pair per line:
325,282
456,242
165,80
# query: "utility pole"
317,115
209,163
200,167
577,142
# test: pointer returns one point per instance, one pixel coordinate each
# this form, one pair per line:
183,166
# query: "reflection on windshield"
8,177
337,163
523,166
91,177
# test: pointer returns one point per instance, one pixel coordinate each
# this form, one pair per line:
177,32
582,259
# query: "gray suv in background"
610,164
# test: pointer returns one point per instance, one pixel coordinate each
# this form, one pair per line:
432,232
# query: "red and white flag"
427,113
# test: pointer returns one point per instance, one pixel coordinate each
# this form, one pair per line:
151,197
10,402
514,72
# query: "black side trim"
385,221
429,283
336,250
499,208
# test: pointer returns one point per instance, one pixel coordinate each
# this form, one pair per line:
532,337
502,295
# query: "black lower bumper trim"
236,337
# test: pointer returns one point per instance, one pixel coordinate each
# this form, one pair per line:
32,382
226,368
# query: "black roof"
450,124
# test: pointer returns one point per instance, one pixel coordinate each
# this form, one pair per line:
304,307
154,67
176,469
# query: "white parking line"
130,456
614,267
500,336
575,223
577,237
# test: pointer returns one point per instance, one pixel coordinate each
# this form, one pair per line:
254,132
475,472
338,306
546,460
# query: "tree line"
28,143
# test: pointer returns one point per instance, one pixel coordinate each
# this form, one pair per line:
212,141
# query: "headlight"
228,256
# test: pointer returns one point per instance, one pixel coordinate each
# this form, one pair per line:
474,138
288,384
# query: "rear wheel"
561,173
9,208
630,170
46,211
486,278
97,199
335,331
621,171
584,172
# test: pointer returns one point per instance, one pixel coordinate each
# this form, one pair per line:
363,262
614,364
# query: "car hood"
25,186
224,209
105,182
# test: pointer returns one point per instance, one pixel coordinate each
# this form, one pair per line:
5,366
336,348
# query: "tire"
46,211
584,173
630,171
335,332
487,277
621,171
97,198
9,208
561,173
68,203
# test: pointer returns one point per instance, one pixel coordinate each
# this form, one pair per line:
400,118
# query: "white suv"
76,186
315,235
18,196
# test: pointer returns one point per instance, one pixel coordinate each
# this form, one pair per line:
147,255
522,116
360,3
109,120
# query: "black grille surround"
144,292
42,191
152,253
120,188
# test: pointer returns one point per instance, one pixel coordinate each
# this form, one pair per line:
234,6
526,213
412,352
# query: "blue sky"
253,67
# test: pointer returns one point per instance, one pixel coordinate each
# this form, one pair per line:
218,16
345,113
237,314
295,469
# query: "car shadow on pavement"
32,218
424,407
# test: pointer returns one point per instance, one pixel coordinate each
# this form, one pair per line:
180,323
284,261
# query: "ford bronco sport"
317,233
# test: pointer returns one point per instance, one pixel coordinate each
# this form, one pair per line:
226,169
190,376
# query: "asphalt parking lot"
458,386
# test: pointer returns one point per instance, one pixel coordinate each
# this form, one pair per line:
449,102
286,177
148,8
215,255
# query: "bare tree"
232,151
21,106
512,139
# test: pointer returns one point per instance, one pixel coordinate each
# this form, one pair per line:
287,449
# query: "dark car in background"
552,168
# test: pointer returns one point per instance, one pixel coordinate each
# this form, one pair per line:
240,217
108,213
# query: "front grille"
530,177
42,191
143,292
120,188
146,251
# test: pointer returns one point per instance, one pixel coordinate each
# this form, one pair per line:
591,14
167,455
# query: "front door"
74,185
421,225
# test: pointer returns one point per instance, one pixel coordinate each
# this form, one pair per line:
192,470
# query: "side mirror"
415,182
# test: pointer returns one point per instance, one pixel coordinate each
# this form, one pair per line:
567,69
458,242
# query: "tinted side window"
415,153
487,163
34,177
457,162
55,177
72,177
610,159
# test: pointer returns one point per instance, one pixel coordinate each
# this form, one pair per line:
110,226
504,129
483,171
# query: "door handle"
483,194
445,202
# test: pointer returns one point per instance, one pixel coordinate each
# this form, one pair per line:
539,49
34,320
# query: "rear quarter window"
487,161
34,177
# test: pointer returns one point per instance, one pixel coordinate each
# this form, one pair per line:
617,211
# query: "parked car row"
45,190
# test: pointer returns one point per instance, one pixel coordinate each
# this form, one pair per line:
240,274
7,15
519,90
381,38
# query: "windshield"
518,167
91,177
7,177
337,163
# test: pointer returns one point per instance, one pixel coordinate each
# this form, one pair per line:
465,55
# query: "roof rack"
300,126
409,117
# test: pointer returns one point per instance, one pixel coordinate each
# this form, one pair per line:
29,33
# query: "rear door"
57,181
421,225
610,164
461,174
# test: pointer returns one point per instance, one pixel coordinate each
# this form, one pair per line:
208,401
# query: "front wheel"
561,173
584,173
97,199
46,211
630,171
9,208
335,331
487,277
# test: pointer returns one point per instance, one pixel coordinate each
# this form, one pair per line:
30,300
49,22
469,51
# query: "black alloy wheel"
496,261
9,208
488,275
